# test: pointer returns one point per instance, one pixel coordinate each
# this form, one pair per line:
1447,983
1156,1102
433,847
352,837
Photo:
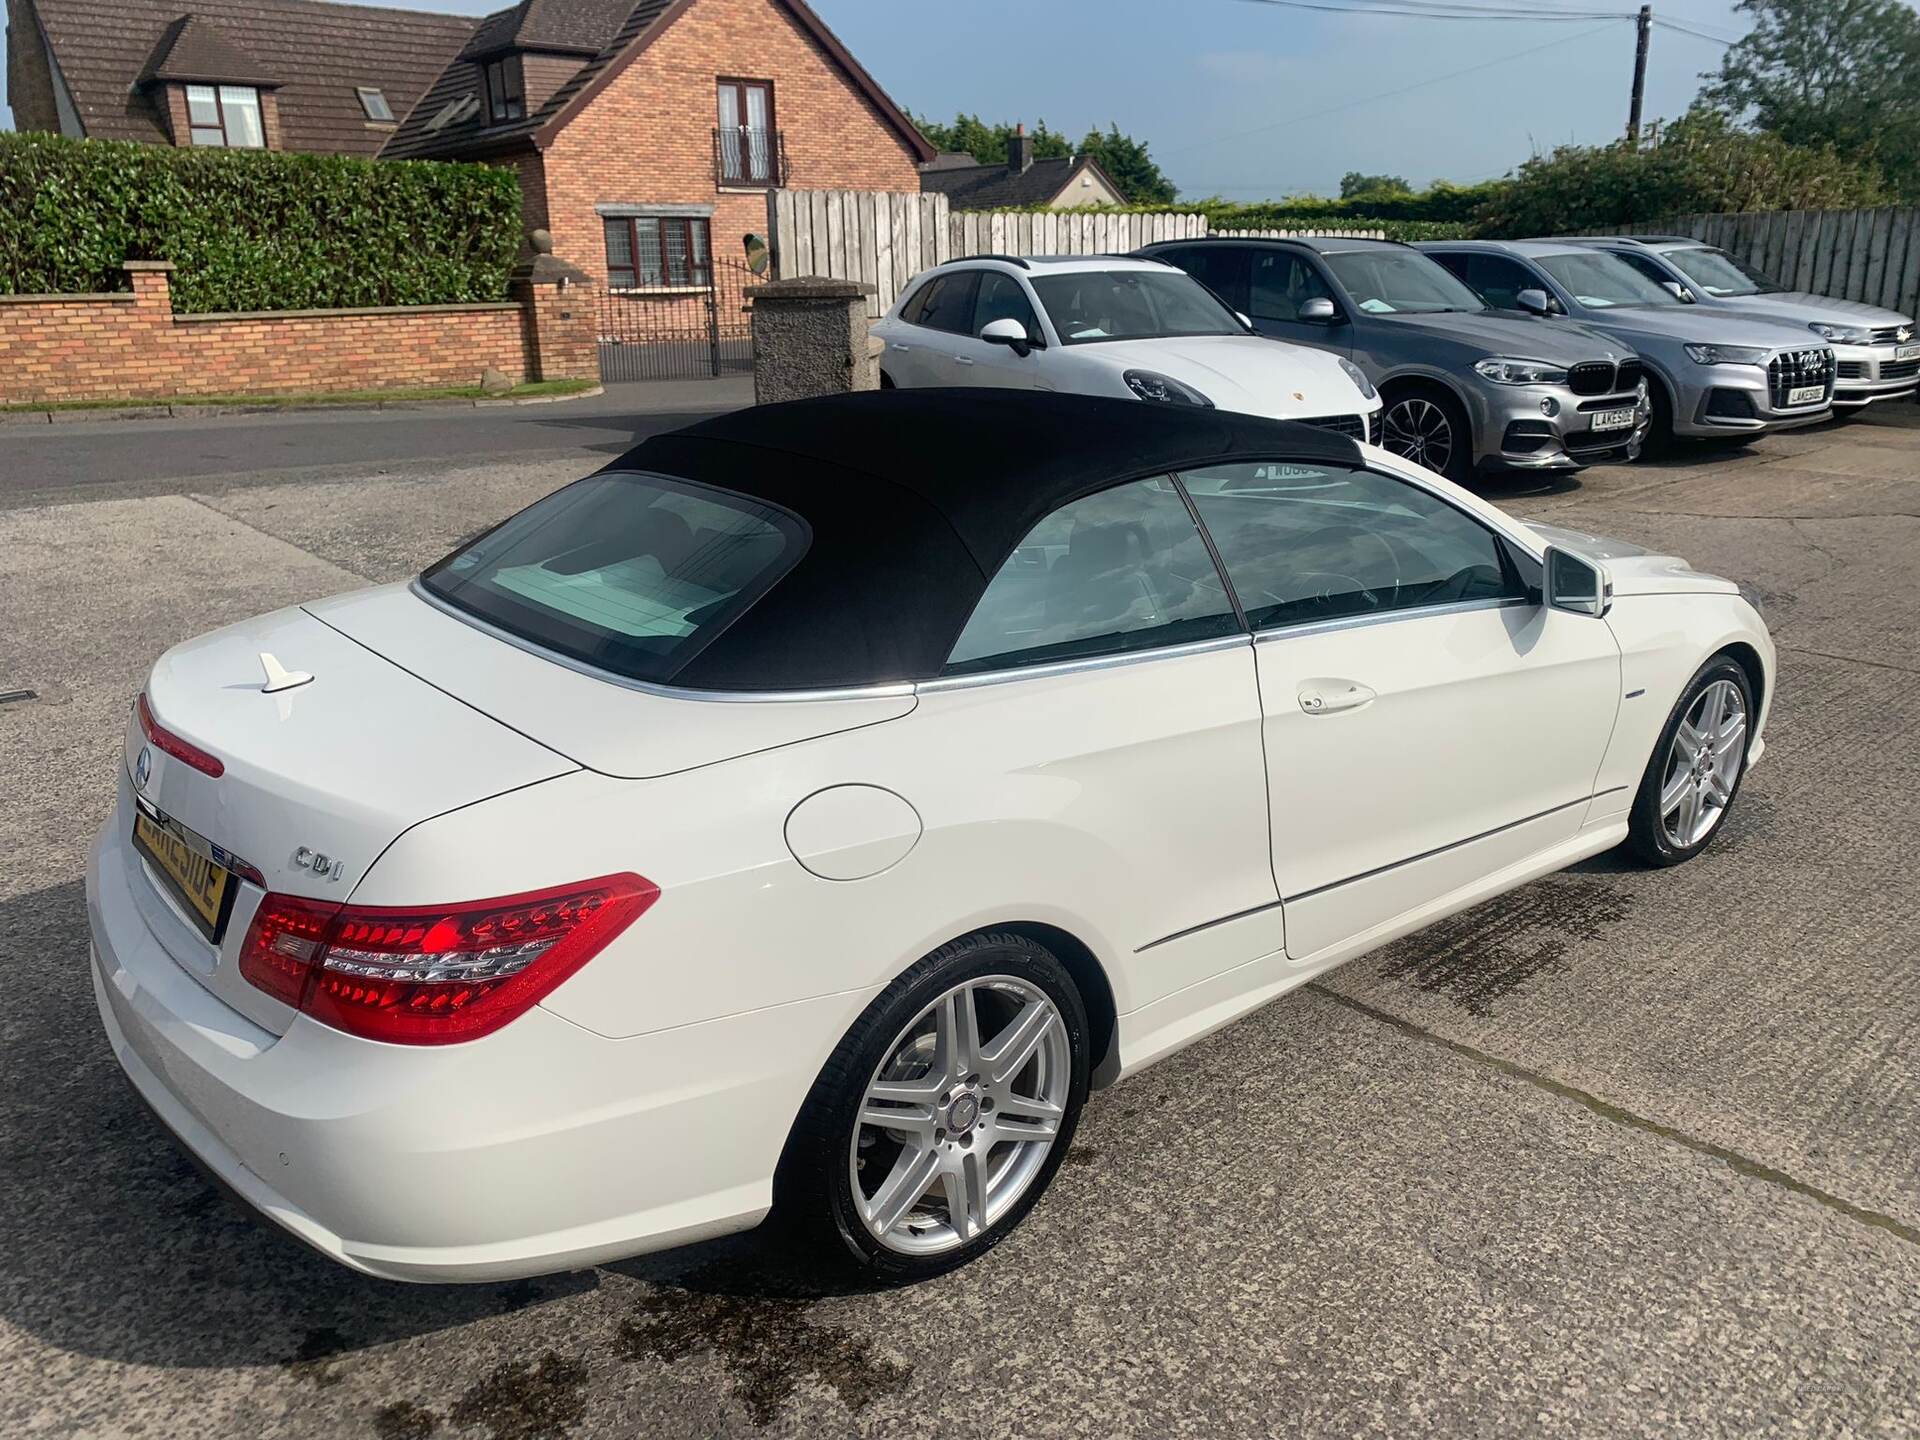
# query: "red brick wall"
110,347
648,137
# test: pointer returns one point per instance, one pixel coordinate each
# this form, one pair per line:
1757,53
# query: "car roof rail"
1009,259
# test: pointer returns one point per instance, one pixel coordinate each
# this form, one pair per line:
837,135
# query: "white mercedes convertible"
805,812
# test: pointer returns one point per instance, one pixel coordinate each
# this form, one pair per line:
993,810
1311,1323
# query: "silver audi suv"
1464,388
1709,372
1875,350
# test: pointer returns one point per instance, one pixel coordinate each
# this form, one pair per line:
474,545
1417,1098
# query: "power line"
1403,90
1444,11
1697,34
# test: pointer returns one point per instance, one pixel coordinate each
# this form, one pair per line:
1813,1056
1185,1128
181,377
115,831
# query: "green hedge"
253,230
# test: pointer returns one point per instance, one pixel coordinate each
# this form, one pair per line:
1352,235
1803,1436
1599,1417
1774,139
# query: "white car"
1110,325
807,810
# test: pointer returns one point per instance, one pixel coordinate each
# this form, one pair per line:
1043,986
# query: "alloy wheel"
1418,430
957,1120
1703,764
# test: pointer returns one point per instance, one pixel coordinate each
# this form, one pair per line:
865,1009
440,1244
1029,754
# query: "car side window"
1499,280
1122,570
917,302
1282,282
950,307
1221,268
1001,298
1647,266
1304,543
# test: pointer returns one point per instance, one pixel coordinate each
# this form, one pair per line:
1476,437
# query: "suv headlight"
1358,376
1152,385
1726,355
1841,334
1505,370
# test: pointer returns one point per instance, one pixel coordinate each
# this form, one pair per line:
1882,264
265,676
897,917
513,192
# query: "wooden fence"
1867,255
887,238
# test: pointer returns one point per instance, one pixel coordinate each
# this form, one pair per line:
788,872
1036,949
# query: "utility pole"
1644,23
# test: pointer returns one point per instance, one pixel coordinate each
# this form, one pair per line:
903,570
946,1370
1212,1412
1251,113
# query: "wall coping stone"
457,309
812,287
137,266
77,297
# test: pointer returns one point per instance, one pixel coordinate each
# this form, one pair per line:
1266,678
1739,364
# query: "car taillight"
433,974
169,743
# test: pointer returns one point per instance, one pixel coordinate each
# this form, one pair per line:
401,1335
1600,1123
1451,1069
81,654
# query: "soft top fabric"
914,499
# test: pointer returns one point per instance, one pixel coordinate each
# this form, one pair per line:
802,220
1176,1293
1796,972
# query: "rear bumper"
542,1147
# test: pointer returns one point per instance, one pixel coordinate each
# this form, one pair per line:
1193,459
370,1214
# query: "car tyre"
831,1178
1686,792
1423,421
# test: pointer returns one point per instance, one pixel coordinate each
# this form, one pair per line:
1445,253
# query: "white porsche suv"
1109,325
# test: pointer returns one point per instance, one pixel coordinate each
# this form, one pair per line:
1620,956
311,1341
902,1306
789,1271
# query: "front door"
1279,285
984,362
1426,723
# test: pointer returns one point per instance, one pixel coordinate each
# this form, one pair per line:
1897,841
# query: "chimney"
1019,156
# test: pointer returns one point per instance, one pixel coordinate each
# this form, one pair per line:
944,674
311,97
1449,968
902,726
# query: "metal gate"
678,332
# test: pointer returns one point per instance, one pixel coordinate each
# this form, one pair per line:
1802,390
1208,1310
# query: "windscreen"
632,573
1718,273
1390,282
1602,282
1090,305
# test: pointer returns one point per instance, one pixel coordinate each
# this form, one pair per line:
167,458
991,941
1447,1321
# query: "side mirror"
1577,586
1318,311
1535,302
1009,332
1679,292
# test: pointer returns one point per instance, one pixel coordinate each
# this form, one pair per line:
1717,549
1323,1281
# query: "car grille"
1852,370
1349,425
1629,377
1591,377
1795,368
1890,334
1900,369
1583,442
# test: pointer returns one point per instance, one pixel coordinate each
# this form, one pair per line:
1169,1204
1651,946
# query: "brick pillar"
558,301
810,338
152,289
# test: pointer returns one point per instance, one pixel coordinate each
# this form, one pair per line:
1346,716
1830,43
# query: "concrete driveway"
1623,1153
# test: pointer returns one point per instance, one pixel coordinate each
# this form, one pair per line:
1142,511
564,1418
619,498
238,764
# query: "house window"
226,115
746,141
373,103
649,250
506,95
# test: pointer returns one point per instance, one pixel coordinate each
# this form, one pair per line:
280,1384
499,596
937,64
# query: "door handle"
962,360
896,345
1325,697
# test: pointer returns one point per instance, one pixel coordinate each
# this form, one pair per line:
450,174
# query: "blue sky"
1251,100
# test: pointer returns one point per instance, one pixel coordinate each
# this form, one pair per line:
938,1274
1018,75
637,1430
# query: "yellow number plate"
194,878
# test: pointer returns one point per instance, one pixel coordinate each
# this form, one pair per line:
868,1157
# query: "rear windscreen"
632,573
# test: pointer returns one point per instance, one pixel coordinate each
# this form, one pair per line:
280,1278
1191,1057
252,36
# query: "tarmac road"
1622,1153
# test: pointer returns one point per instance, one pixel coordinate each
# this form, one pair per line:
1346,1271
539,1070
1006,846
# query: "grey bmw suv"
1464,388
1711,372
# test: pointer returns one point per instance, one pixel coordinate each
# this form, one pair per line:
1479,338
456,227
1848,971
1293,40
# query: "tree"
1702,162
1126,159
969,134
1844,73
1354,185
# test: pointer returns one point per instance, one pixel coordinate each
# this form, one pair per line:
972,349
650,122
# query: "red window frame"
692,266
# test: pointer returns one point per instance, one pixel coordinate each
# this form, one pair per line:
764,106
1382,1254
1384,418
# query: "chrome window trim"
889,690
1081,664
1272,633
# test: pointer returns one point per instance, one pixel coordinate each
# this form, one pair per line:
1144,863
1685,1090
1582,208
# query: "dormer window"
506,90
373,104
226,115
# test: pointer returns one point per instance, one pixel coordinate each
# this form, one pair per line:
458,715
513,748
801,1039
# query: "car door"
924,352
1000,297
1101,704
1221,268
1279,283
1497,278
1427,722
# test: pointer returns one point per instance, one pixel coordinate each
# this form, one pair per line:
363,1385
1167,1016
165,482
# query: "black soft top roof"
914,499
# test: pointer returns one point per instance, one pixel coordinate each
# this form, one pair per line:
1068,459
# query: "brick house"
646,133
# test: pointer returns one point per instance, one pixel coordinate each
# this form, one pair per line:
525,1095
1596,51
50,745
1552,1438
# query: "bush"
1440,203
1703,163
253,230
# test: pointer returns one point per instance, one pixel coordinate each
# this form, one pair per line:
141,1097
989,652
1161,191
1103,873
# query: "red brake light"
434,974
171,744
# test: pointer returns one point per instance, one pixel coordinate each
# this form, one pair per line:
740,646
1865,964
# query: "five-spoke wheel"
945,1111
1695,770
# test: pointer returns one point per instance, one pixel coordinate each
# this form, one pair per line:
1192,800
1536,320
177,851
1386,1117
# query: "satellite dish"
758,256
